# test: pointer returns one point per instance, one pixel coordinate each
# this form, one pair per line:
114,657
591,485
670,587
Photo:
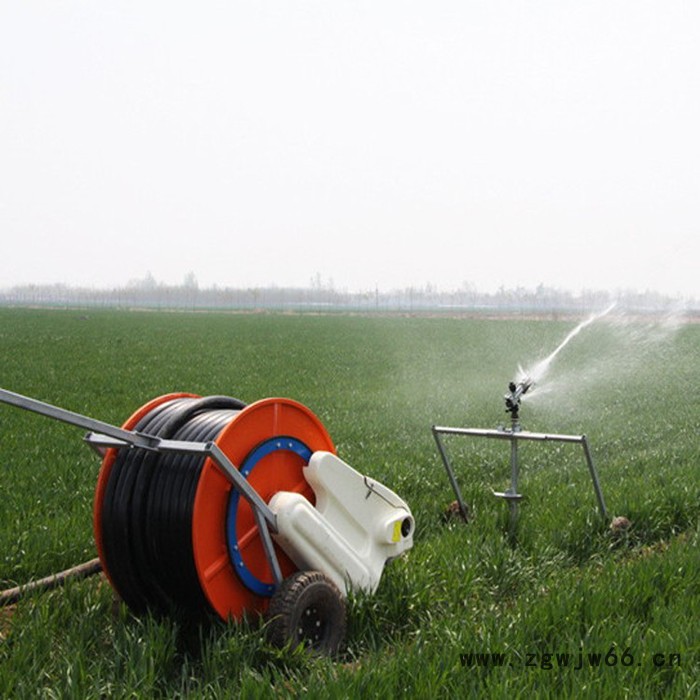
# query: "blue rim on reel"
274,444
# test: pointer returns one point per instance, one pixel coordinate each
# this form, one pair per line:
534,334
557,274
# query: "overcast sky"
376,144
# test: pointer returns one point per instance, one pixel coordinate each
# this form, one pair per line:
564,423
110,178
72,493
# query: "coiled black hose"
147,510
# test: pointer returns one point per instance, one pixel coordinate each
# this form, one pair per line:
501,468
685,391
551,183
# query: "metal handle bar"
105,435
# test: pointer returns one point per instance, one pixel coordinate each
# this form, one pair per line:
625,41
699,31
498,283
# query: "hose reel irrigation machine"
210,505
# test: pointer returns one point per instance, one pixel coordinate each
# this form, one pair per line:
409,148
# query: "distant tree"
190,281
148,282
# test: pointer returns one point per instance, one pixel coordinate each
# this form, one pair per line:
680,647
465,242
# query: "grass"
564,587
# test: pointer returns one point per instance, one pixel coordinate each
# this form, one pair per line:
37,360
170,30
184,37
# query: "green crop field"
562,607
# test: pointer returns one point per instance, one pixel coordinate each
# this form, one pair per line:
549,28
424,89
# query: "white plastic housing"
356,526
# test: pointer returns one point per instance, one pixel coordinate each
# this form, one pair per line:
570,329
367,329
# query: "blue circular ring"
275,444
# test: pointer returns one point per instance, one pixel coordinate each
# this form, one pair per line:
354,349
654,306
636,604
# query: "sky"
376,144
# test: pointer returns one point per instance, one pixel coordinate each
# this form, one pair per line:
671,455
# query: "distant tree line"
318,296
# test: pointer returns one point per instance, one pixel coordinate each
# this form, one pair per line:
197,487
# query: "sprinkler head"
512,399
512,404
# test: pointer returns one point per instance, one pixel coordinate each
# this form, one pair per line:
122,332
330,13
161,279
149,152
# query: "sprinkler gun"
513,434
516,392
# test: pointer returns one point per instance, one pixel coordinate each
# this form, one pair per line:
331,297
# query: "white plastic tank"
356,526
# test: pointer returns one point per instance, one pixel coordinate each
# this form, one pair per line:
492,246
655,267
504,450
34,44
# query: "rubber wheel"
307,609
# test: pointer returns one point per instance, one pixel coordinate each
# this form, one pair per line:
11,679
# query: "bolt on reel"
209,505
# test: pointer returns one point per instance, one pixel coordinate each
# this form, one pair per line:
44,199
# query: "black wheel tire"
307,609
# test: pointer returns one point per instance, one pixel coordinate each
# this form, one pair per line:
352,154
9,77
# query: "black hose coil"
147,510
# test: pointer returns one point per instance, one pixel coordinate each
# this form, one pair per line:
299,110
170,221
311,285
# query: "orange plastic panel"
279,471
